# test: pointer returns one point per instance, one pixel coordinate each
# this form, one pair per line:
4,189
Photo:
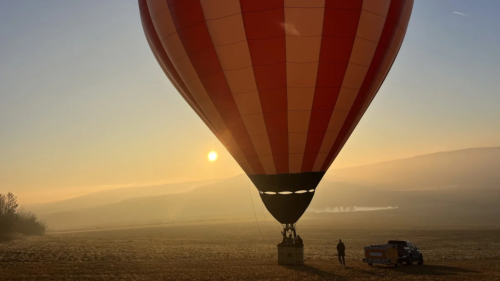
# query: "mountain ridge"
457,183
104,197
420,155
462,168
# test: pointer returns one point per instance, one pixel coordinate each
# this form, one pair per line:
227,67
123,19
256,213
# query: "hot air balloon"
281,83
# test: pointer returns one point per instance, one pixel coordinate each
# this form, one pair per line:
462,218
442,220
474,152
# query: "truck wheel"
395,265
421,262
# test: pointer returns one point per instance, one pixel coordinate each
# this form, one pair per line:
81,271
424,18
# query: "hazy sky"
84,105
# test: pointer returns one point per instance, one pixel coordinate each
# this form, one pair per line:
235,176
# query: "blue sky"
84,106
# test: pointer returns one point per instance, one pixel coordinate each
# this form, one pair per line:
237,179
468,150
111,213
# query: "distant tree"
9,204
13,221
8,207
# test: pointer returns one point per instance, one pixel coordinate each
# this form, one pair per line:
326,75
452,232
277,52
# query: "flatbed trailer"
381,254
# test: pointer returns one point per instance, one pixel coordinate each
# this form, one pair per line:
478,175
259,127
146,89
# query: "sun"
212,156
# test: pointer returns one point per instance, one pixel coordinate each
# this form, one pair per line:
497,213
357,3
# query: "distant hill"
230,199
460,186
467,168
114,195
225,199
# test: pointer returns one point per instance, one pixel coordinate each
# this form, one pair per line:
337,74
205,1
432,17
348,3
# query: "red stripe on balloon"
344,5
189,21
170,71
166,65
263,20
367,103
339,33
260,5
388,33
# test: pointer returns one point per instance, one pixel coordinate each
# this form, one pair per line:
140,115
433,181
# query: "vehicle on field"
393,253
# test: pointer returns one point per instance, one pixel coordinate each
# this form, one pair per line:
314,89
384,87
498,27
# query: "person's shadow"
307,269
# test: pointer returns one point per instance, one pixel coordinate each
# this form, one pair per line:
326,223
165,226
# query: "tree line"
14,221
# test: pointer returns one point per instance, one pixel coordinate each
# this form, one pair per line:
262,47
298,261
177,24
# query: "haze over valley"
442,188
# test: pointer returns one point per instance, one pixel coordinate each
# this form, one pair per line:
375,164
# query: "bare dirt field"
237,251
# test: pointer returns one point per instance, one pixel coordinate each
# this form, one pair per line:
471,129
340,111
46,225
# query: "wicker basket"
291,255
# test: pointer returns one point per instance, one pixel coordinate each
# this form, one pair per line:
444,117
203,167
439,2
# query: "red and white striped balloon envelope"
281,83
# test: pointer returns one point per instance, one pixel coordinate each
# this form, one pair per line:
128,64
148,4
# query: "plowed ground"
237,251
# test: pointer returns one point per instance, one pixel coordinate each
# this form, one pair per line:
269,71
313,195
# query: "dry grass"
237,251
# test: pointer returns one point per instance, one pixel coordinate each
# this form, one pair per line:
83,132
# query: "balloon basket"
290,254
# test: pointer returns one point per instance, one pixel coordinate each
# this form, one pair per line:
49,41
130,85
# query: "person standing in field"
298,241
341,252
